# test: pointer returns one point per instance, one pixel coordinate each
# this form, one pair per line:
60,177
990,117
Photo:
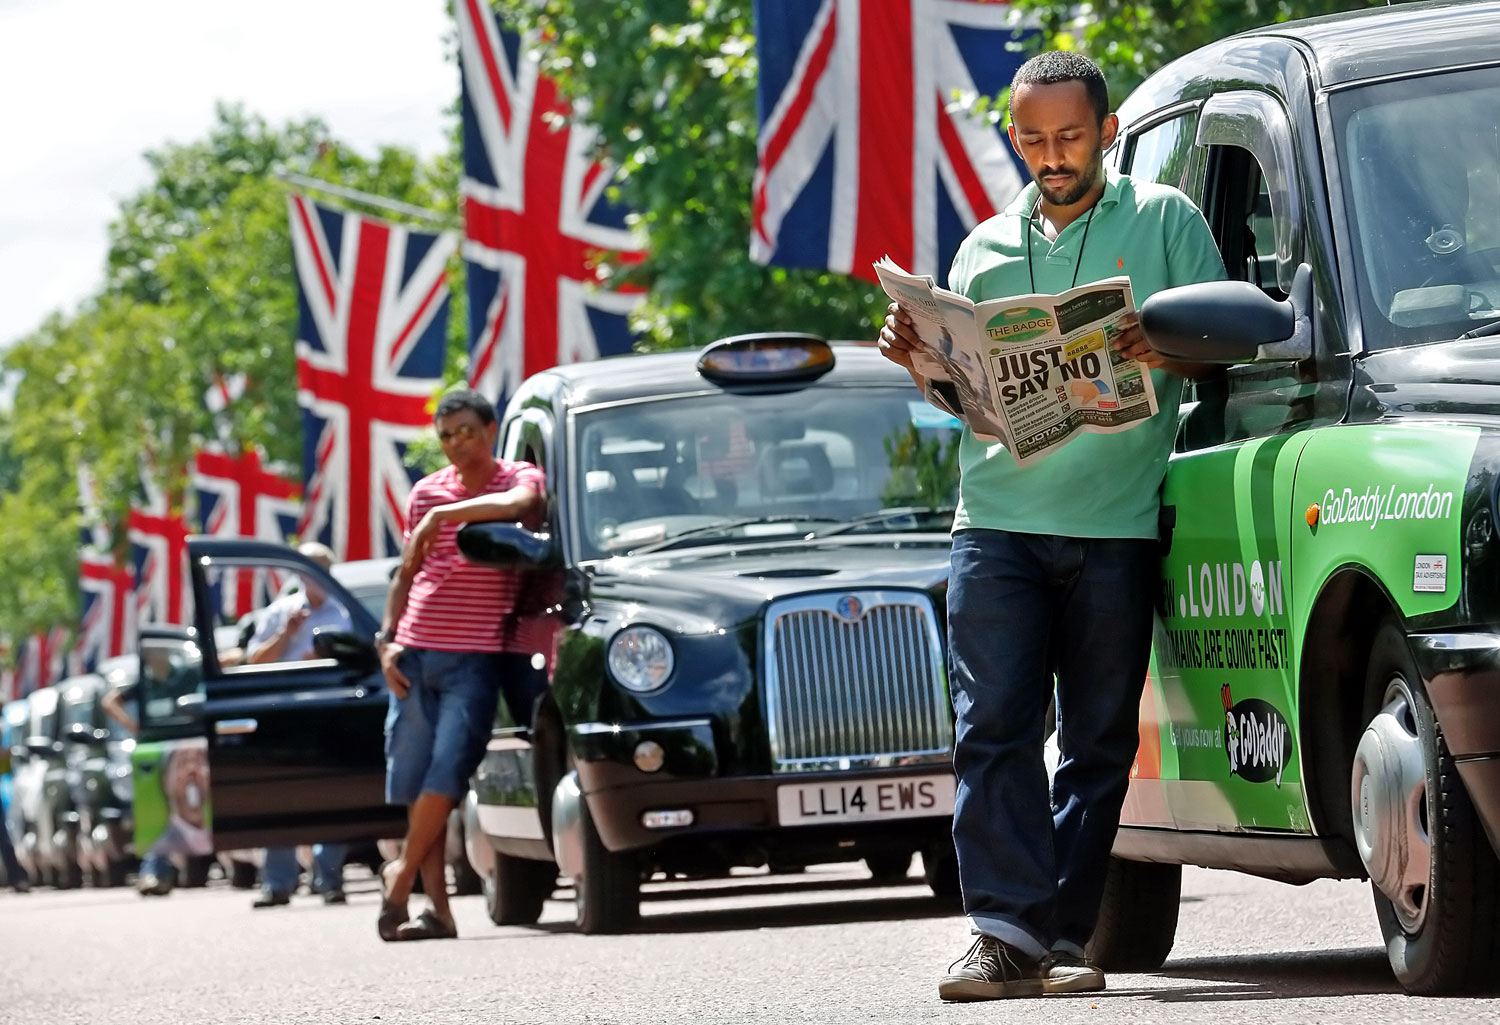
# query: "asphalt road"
820,947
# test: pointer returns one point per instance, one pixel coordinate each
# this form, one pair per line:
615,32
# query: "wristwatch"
383,635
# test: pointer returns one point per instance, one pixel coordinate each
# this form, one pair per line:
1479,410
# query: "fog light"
667,819
649,756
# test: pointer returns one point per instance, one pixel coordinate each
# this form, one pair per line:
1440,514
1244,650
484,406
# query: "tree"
670,85
1129,39
198,279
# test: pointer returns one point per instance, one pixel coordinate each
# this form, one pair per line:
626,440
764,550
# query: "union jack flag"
158,536
107,625
370,345
537,219
239,497
41,662
864,151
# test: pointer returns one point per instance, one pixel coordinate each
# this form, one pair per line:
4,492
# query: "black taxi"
740,598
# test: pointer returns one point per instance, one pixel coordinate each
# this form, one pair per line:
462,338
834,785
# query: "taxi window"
1164,153
777,464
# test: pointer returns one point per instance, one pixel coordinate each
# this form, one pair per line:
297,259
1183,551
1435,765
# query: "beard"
1082,182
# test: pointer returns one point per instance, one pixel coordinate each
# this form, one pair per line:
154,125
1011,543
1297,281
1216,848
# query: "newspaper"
1031,372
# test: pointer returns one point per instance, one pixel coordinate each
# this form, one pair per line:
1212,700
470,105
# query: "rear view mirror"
506,544
1230,322
345,648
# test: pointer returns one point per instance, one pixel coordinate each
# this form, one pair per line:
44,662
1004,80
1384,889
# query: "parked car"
739,595
49,841
1323,699
14,718
99,774
740,599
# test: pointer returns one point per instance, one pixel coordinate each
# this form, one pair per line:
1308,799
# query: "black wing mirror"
1230,322
346,648
507,544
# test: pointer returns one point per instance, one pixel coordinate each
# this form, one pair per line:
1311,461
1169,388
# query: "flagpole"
368,198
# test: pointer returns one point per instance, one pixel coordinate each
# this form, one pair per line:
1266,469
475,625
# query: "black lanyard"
1077,261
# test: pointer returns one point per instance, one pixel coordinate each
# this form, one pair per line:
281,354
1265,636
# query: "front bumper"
1463,683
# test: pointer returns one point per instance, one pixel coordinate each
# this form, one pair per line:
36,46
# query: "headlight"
122,784
640,658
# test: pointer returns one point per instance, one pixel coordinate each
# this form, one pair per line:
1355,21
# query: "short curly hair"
459,399
1053,66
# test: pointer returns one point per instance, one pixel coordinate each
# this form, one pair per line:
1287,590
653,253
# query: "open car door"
293,750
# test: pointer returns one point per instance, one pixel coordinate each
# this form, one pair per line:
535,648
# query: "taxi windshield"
1420,159
706,469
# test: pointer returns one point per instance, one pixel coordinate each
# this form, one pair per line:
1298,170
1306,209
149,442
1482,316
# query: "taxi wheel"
243,875
117,872
608,890
889,868
516,889
198,866
1433,873
940,868
1137,917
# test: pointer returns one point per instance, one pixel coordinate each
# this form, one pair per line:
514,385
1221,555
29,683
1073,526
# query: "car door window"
169,689
309,602
1164,153
1253,399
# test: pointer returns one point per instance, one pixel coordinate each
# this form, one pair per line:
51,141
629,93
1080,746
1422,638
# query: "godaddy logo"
1378,504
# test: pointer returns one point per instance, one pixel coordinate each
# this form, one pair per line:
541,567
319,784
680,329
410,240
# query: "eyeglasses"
463,432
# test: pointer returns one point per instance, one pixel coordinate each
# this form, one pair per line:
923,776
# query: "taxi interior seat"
795,468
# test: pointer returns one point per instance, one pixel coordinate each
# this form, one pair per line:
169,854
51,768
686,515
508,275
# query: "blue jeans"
279,871
1023,610
14,875
436,736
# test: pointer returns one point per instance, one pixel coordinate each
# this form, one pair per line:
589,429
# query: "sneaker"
1064,972
268,899
334,897
991,970
153,886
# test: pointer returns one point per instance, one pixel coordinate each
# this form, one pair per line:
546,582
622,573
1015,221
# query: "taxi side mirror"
508,545
43,746
346,648
1230,322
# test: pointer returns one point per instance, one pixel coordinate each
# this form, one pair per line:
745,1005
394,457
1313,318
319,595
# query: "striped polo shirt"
454,604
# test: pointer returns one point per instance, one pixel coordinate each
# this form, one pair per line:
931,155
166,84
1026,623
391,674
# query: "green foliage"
1129,39
199,279
924,471
670,86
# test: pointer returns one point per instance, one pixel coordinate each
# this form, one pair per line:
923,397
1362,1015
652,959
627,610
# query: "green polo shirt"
1096,485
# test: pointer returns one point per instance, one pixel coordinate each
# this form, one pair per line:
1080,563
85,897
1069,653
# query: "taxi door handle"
234,727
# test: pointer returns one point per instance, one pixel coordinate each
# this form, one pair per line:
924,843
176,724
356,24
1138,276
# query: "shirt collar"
1025,200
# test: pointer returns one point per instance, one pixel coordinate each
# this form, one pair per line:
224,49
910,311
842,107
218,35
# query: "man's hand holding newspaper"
1029,371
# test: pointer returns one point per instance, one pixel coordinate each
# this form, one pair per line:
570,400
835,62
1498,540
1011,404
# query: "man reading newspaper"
1055,562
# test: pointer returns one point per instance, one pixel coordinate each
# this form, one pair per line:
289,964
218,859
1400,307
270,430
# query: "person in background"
1055,566
15,875
447,648
284,633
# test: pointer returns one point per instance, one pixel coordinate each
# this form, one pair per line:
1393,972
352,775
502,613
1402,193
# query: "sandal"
427,926
392,916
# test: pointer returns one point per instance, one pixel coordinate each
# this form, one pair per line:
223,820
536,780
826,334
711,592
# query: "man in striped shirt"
447,647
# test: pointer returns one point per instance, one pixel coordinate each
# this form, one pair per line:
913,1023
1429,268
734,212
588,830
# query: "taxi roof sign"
766,357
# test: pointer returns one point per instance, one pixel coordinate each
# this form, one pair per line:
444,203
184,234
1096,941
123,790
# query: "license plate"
866,800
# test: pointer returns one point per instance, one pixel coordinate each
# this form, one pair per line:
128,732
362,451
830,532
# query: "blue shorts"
436,736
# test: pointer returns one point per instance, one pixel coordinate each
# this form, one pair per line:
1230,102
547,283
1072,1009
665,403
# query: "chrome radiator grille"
855,679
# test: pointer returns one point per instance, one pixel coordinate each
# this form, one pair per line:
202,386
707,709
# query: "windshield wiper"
883,515
723,526
1492,328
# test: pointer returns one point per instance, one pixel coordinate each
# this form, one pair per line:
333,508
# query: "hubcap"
1389,797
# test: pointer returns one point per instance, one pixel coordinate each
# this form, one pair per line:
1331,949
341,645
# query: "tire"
608,891
1442,932
242,874
517,888
940,869
117,872
889,868
466,882
1137,917
196,875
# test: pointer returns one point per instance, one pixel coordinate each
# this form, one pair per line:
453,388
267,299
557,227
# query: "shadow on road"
1310,973
761,916
753,886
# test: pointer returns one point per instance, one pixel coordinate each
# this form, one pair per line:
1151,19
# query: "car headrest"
796,468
